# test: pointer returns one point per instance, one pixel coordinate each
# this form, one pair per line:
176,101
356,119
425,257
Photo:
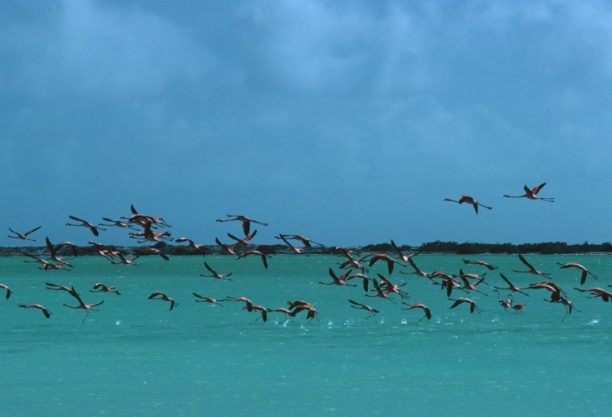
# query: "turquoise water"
136,358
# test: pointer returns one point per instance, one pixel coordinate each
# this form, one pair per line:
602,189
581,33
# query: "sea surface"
134,357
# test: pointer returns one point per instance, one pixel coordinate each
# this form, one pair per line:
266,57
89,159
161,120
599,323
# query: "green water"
136,358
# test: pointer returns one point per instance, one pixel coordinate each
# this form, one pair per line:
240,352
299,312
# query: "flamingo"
510,287
255,252
505,303
605,296
149,235
23,236
116,223
375,257
365,307
295,250
262,310
153,251
45,265
210,300
53,249
125,261
468,200
40,307
555,293
191,243
532,194
480,263
142,219
307,242
299,306
532,269
365,280
403,256
389,287
244,241
84,223
100,287
468,285
350,261
216,274
338,280
448,282
247,301
423,307
246,222
226,249
584,271
417,270
82,305
105,251
469,301
158,295
380,291
7,289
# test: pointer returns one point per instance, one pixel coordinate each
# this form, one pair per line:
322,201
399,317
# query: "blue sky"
345,121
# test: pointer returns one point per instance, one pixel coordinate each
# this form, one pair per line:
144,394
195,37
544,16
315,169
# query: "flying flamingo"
299,306
295,250
468,200
480,263
307,242
389,287
84,223
244,241
470,286
584,271
338,280
262,310
463,300
125,261
7,289
40,307
423,307
417,270
142,219
192,244
505,303
153,251
82,305
210,300
226,249
365,307
53,249
605,296
350,261
403,256
375,257
116,223
255,252
23,236
510,287
216,274
246,222
532,269
158,295
532,194
100,287
150,235
365,280
448,282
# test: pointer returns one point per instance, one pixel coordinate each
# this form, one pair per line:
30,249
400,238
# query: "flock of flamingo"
352,268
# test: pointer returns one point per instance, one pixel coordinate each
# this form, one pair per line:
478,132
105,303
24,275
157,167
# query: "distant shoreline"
430,248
